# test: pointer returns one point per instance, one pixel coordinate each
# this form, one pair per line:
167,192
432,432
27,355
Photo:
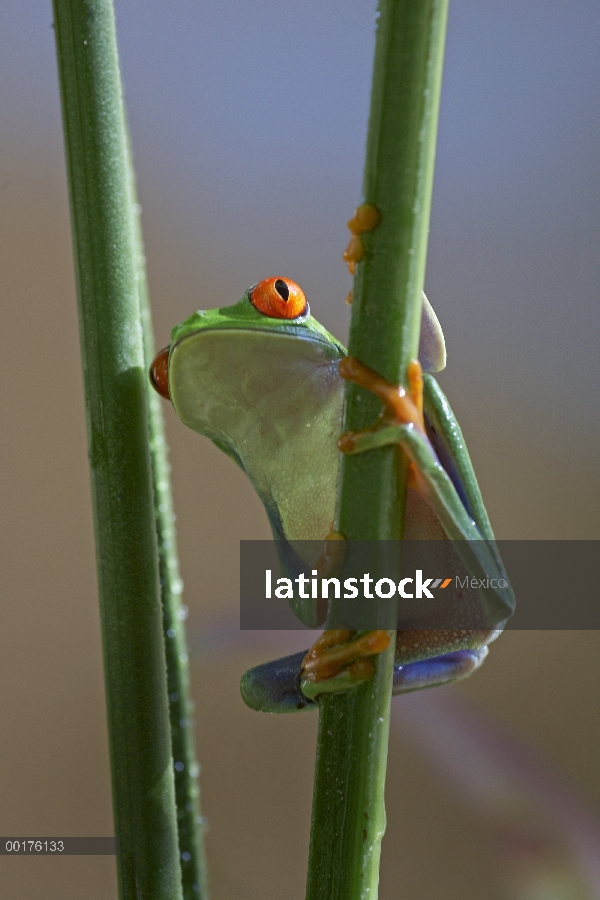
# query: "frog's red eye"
159,373
279,298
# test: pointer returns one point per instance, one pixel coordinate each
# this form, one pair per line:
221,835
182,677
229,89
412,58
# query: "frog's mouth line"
287,330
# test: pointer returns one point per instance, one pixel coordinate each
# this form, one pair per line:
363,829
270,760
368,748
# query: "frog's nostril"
159,373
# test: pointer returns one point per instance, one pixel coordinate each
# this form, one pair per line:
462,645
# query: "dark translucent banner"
419,585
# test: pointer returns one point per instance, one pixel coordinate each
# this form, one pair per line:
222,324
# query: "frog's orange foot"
402,409
401,406
336,662
365,218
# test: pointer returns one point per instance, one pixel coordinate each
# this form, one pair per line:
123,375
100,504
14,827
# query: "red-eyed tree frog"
264,381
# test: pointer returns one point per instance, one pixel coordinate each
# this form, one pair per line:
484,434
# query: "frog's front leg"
402,422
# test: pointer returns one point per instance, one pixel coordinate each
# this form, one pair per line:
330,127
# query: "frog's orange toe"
334,652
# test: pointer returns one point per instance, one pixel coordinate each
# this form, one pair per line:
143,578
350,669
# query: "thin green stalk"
106,266
186,769
348,805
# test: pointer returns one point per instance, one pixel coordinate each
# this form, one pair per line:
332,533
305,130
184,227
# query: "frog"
264,381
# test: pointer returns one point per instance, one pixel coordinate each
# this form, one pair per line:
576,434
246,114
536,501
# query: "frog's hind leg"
275,687
340,660
437,671
337,661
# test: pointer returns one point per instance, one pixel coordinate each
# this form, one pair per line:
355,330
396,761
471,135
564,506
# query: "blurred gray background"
248,123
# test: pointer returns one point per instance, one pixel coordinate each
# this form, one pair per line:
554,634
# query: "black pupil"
282,289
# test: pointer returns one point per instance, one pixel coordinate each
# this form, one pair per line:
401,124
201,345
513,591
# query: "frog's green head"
274,306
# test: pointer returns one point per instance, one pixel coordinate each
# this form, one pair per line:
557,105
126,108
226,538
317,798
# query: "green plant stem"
106,266
348,805
186,769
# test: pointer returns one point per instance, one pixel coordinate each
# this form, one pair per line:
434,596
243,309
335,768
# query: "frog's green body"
267,391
